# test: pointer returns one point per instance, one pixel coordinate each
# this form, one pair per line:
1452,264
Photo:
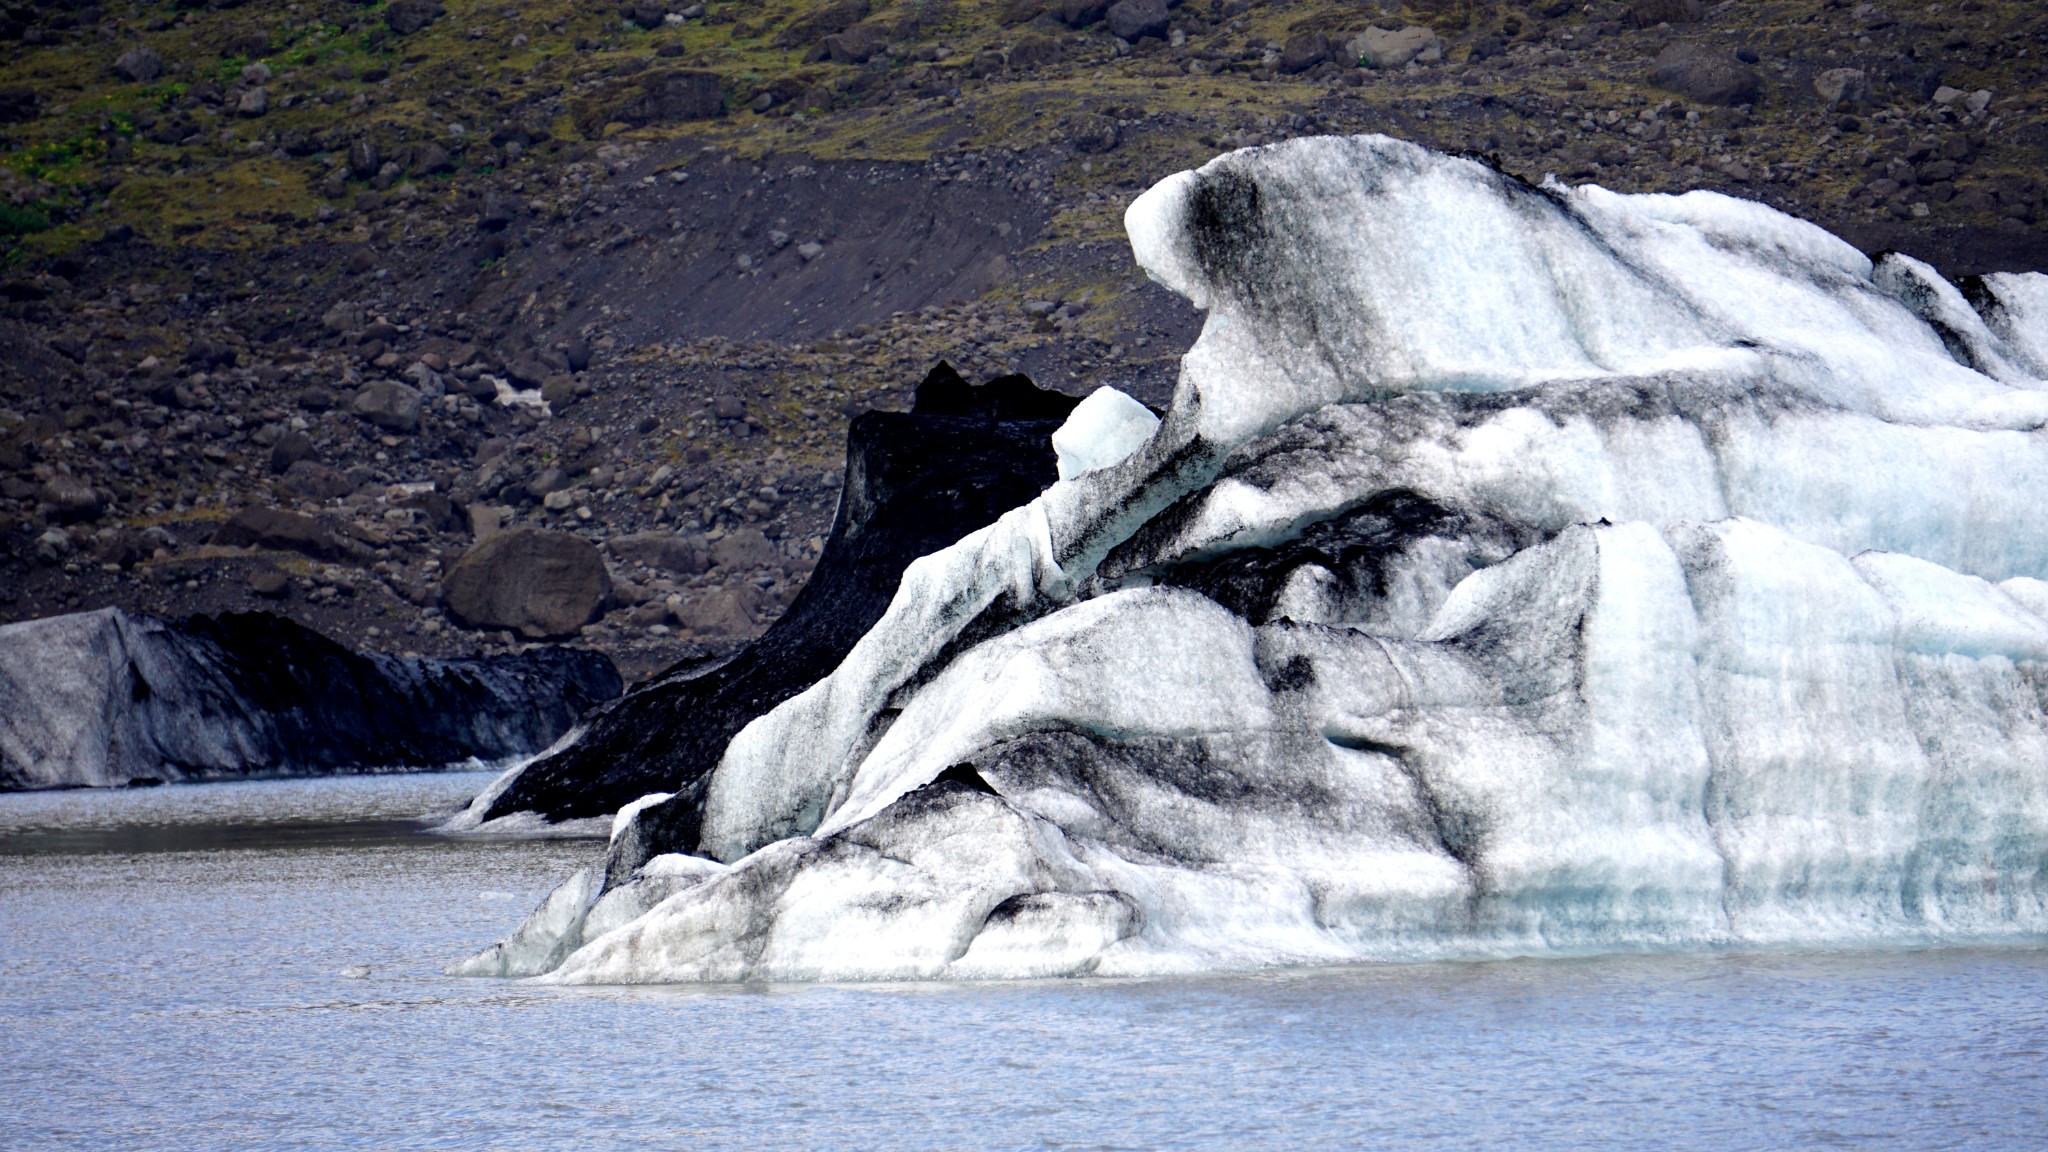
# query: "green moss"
22,219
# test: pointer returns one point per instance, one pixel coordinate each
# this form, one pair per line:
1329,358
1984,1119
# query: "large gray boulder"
389,405
1706,74
139,65
539,584
744,551
275,528
1132,19
668,551
69,499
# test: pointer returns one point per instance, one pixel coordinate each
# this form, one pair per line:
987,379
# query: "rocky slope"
404,275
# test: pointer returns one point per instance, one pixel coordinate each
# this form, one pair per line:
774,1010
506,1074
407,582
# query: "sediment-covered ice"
1517,570
103,699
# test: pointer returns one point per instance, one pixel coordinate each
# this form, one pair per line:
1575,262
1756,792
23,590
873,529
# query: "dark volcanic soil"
240,242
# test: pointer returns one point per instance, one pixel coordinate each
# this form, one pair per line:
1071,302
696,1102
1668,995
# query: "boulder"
389,405
69,500
406,17
856,45
667,551
1303,52
745,551
657,97
1706,74
722,613
1842,87
275,528
1134,19
1034,52
363,162
19,102
1080,13
317,481
290,448
1380,48
139,65
539,584
253,102
269,583
1650,13
822,22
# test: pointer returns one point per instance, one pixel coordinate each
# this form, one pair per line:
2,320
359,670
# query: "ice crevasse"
1517,570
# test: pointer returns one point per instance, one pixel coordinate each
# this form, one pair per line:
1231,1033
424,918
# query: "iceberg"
1518,570
914,482
105,699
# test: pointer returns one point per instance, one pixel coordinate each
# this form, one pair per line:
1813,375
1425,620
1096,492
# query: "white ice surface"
1103,429
1755,651
624,815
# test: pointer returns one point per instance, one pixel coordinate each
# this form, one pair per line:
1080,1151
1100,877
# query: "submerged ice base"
1517,570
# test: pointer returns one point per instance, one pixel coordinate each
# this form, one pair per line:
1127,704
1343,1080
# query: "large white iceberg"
1517,570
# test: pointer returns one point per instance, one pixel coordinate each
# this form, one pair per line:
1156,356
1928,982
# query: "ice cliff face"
103,699
1517,570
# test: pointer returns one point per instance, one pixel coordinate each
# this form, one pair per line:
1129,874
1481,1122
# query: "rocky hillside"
300,303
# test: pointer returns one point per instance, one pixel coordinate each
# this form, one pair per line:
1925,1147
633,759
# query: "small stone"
648,615
254,102
53,546
269,583
289,449
809,250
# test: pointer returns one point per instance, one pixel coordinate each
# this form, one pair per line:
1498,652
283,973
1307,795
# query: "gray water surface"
184,968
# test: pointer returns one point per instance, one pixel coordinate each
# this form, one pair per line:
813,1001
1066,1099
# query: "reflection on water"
258,966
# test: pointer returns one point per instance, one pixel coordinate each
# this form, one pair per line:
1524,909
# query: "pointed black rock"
915,482
106,699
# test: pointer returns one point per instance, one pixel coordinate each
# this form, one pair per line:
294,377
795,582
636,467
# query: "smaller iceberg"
103,699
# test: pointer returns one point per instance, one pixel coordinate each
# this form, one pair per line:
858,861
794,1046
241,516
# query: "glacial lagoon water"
258,965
